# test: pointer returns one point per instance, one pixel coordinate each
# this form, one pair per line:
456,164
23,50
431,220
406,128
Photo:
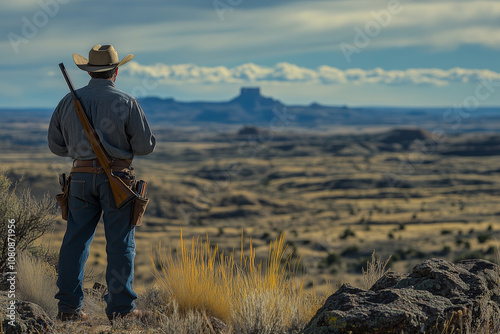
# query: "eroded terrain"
405,193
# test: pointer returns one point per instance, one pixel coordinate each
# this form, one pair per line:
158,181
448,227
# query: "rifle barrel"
68,81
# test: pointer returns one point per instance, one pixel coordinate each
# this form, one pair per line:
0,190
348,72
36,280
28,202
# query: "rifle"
121,192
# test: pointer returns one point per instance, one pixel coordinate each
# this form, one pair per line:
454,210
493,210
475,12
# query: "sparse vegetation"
350,251
445,251
483,237
329,204
333,258
347,233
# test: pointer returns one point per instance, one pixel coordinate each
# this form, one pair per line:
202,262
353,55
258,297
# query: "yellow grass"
196,278
248,295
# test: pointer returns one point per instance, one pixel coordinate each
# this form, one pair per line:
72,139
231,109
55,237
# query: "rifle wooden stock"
121,192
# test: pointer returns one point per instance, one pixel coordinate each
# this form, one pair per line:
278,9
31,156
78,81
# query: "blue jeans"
89,196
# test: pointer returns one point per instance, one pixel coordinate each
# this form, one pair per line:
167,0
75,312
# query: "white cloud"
285,72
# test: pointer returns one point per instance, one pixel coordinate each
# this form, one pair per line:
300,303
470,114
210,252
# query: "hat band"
108,64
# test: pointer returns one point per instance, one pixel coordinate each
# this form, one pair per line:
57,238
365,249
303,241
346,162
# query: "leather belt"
94,167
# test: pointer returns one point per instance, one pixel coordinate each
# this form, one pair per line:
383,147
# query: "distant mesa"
251,108
251,99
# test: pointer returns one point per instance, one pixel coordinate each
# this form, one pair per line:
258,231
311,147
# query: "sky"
433,53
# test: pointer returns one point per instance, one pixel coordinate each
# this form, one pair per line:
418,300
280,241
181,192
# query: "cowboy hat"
101,58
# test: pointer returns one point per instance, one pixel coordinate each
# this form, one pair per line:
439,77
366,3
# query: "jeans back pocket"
77,195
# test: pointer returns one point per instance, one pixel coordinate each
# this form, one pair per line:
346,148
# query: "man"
124,132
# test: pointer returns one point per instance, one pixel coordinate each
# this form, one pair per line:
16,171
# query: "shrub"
490,250
350,251
333,258
32,217
399,255
347,233
483,237
446,250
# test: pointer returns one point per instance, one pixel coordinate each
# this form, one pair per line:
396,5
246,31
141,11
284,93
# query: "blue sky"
354,52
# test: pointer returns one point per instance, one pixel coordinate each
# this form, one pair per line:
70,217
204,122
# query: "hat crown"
103,55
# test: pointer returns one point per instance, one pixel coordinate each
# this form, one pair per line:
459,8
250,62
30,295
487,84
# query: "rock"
30,318
4,284
437,297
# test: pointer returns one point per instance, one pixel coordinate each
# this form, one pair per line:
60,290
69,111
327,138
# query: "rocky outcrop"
29,318
437,297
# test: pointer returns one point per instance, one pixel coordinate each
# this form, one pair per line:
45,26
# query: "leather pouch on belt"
140,204
62,199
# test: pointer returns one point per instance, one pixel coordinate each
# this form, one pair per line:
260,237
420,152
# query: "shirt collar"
101,82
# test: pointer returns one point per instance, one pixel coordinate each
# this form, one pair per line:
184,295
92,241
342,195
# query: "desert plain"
406,193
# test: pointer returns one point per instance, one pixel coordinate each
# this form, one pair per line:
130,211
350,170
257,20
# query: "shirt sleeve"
140,136
57,144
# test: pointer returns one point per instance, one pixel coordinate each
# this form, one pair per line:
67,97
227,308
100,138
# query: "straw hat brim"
83,63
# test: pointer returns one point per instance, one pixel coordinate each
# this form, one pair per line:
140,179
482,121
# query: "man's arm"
140,136
57,144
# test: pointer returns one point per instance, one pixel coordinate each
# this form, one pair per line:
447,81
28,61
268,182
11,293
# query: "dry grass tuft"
248,296
189,322
37,282
375,269
196,278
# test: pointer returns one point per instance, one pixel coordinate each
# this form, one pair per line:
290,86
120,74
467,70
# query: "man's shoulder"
93,91
65,101
125,95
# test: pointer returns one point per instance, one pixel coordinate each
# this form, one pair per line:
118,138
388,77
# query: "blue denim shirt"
116,116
